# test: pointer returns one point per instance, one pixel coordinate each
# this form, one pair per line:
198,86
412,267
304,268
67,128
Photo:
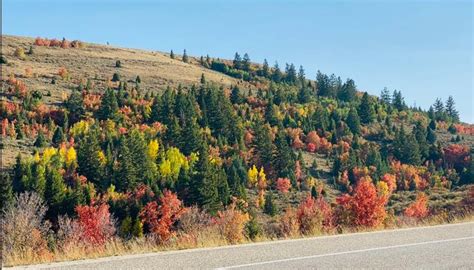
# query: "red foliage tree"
311,147
160,218
419,208
314,215
95,223
457,156
364,207
283,185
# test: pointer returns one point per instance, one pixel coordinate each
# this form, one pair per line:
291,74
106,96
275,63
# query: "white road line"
345,252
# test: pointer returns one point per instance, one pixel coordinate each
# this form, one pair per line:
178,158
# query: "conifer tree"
283,160
353,121
265,69
451,110
40,140
108,106
185,57
277,75
366,110
6,190
246,62
55,192
398,101
172,56
348,91
270,208
58,136
88,158
385,96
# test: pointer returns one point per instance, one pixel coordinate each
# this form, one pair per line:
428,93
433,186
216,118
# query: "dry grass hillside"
97,62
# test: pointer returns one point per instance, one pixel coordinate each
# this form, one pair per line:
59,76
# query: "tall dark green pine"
348,91
397,100
58,136
353,121
366,110
40,140
270,208
108,106
421,135
125,174
206,179
6,190
75,107
451,109
284,160
88,158
277,75
265,69
55,192
263,143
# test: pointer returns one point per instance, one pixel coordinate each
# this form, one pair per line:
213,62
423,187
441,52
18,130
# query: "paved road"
438,247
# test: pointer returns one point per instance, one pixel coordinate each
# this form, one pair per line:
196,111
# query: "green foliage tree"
366,110
353,121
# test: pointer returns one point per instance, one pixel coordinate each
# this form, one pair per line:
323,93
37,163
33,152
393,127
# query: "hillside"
110,150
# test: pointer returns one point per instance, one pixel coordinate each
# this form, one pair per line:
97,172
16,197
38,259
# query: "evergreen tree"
430,135
263,146
108,106
237,61
348,91
291,76
284,160
421,135
398,101
203,79
58,136
353,121
235,96
172,56
385,96
270,208
301,76
40,140
88,159
75,107
265,69
246,62
451,110
277,76
54,193
6,190
185,57
439,110
207,179
116,77
366,110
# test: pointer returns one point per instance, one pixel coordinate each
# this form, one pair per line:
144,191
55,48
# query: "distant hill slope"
97,62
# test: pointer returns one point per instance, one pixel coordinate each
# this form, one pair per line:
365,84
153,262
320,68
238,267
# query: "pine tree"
206,181
366,110
55,193
88,158
172,56
237,61
301,76
116,77
277,75
385,96
353,121
203,79
58,136
108,106
270,208
246,62
235,96
284,160
40,140
451,110
398,101
440,112
290,76
6,190
348,91
265,69
185,57
263,143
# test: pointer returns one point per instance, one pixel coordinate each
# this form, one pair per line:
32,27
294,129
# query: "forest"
121,168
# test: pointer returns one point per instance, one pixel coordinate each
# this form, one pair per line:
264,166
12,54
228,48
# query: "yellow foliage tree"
153,148
71,157
253,176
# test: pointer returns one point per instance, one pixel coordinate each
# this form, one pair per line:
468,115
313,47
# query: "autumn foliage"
95,223
364,207
161,217
419,208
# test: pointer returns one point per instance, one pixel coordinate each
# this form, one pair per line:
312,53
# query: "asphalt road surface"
437,247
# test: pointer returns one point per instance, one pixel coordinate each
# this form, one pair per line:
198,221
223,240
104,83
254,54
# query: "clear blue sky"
423,48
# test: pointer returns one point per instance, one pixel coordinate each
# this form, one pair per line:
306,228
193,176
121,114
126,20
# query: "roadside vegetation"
124,169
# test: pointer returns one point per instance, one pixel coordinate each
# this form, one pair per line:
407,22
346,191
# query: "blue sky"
423,48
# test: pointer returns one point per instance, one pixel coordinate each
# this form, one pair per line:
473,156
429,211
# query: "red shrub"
283,185
311,147
457,156
161,218
314,215
95,223
419,208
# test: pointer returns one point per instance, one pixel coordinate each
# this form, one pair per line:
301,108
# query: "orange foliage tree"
419,208
364,207
161,218
283,185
